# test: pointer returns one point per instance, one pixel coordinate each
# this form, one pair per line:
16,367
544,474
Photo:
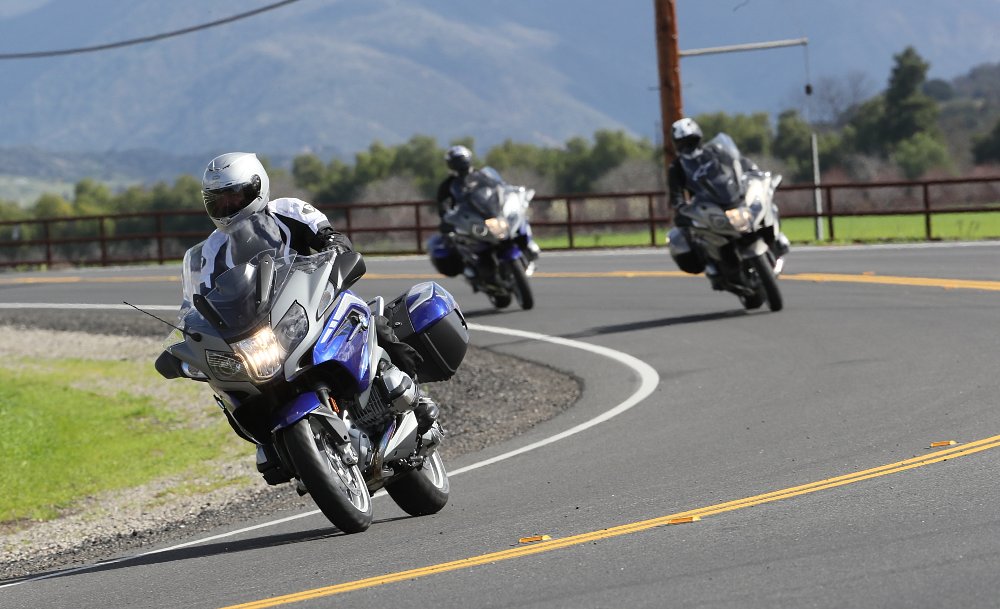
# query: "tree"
987,148
908,111
751,132
919,153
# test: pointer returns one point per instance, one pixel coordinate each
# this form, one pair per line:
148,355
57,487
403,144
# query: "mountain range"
332,76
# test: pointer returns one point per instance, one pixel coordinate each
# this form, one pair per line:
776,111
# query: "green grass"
864,229
62,441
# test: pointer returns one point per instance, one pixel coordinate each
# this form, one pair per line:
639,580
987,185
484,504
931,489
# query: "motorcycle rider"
235,189
459,160
686,135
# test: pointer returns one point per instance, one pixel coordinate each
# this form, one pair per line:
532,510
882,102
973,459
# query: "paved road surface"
758,423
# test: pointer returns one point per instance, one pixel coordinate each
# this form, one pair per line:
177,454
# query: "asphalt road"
800,440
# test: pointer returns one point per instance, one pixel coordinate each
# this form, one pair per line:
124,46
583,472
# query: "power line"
145,39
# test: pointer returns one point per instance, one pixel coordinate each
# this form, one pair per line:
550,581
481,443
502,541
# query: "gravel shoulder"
173,509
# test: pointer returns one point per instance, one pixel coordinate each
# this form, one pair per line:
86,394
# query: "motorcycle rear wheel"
424,490
762,264
338,489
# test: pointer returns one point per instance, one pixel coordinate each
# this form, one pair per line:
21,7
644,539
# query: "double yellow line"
865,278
626,529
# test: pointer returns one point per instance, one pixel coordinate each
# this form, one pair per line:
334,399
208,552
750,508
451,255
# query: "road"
799,441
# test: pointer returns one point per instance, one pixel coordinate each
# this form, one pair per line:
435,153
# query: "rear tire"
424,490
338,489
762,264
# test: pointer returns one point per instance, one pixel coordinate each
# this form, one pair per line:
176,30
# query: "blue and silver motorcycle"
292,355
490,242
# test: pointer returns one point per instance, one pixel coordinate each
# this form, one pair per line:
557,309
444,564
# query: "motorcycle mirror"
208,311
265,281
347,269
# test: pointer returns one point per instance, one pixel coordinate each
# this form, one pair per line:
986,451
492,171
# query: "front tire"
338,489
762,264
423,490
522,289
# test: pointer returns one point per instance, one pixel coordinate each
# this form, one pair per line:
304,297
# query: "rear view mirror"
265,281
347,269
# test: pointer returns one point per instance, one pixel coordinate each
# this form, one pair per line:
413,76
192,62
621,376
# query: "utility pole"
668,58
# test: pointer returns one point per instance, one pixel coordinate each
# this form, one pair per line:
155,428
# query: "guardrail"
403,227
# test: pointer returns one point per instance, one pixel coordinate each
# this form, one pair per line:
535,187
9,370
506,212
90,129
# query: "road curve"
781,460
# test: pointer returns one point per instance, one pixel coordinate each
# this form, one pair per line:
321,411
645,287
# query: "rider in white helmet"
687,136
235,189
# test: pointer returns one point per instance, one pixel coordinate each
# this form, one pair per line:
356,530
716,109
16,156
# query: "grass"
864,229
66,441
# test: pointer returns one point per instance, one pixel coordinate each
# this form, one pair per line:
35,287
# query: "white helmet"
686,135
235,187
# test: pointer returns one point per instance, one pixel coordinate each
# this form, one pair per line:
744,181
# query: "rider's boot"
781,245
428,428
713,276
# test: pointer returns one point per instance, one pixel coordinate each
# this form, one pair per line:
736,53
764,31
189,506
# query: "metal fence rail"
403,227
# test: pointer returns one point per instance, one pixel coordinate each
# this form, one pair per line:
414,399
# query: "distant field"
963,226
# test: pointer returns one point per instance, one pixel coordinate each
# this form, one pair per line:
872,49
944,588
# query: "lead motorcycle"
490,239
734,226
293,357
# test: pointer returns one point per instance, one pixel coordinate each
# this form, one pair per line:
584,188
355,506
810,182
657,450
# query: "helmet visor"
224,202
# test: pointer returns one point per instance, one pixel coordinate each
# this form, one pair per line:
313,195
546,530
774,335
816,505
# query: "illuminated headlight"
225,366
262,354
498,227
739,218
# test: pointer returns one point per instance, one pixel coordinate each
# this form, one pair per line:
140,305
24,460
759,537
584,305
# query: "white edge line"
648,376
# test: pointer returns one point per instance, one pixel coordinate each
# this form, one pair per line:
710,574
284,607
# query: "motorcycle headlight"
261,353
292,328
740,219
225,366
498,227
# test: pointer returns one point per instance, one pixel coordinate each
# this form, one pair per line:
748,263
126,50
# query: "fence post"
927,210
416,222
48,244
652,222
347,223
159,238
569,221
829,210
102,240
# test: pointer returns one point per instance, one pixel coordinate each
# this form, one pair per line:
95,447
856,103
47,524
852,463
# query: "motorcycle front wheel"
522,289
423,490
338,489
762,264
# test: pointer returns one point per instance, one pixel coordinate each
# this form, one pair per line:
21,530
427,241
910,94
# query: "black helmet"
459,159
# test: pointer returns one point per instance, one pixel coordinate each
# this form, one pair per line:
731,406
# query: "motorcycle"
293,357
491,239
734,232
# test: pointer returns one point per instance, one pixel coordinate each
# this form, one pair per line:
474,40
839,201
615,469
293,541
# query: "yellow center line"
626,529
925,282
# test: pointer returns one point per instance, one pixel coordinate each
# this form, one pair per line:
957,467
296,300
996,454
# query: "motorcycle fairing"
346,338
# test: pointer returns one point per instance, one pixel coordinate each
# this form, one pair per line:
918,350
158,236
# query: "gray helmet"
459,159
235,187
686,135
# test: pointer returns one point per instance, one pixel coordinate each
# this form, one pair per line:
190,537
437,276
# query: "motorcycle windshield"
235,292
716,175
483,192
